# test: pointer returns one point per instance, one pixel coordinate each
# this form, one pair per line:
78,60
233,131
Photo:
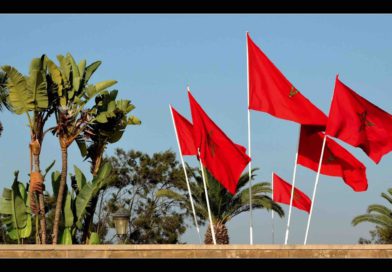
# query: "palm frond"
387,197
4,92
376,208
380,220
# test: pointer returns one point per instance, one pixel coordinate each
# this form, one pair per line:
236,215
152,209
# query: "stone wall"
196,251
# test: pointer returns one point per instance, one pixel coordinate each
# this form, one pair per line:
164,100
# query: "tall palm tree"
224,206
30,95
381,216
70,80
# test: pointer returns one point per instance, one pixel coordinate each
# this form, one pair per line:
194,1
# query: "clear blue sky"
154,57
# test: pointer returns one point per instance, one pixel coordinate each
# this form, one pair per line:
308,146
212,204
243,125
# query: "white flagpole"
272,211
208,202
315,187
249,151
186,177
292,189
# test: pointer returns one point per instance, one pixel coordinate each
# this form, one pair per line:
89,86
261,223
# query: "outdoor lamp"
121,220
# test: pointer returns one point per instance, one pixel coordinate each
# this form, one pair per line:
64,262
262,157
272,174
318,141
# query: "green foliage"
66,237
15,211
137,179
77,201
68,211
3,96
70,80
94,239
89,190
4,92
112,118
381,216
224,206
28,93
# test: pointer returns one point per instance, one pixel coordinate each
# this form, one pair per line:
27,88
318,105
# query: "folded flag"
282,194
184,130
336,161
356,121
224,159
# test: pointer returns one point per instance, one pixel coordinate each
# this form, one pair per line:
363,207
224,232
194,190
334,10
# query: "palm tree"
112,118
30,95
3,96
381,216
70,80
224,206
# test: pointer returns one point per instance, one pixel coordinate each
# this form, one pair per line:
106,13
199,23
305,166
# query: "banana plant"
67,210
112,117
70,82
30,95
77,202
3,95
14,207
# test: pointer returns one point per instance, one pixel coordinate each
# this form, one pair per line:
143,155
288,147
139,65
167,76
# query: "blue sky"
154,57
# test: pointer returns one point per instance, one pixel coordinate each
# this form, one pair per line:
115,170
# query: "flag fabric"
224,159
184,130
337,161
356,121
282,194
271,92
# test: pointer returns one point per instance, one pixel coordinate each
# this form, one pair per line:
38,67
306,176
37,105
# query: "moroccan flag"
184,130
224,159
282,194
271,92
359,123
337,161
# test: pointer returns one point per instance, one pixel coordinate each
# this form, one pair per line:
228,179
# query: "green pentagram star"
364,121
293,92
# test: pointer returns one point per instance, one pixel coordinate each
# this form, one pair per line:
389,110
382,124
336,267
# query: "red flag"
337,161
359,123
224,159
184,130
282,194
271,92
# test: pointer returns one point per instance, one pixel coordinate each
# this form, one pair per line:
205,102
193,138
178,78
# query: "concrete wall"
196,251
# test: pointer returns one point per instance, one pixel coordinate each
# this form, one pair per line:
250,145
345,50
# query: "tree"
30,95
138,177
3,96
224,206
381,216
70,81
112,118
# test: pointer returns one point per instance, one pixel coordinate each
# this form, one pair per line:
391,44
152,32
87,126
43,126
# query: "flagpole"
186,177
272,211
207,200
292,188
249,151
315,187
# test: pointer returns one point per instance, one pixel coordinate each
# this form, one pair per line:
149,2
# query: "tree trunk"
221,234
59,202
41,202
